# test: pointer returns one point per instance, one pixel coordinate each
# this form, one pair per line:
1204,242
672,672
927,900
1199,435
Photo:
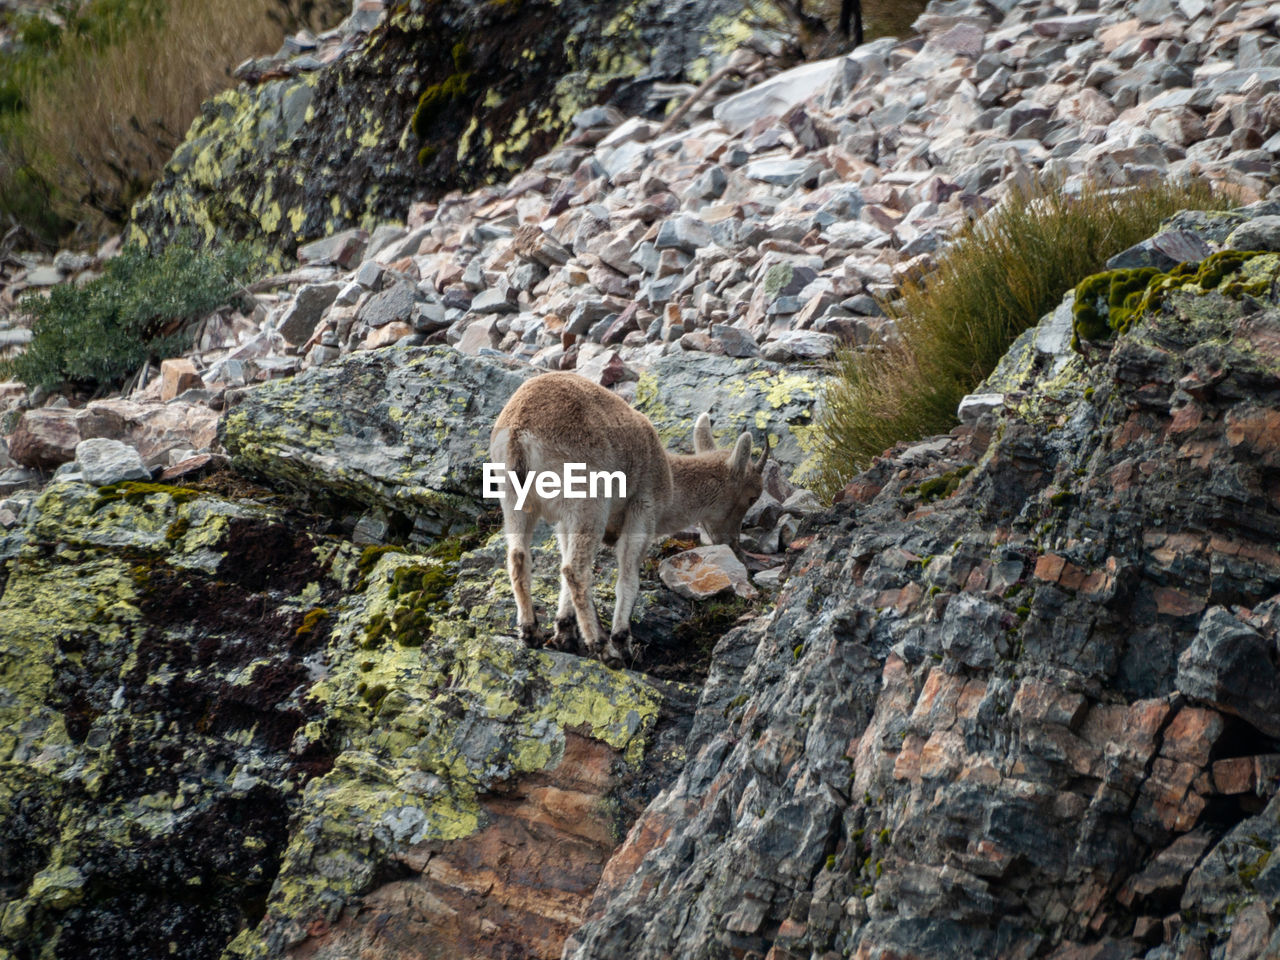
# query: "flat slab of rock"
103,462
777,95
706,572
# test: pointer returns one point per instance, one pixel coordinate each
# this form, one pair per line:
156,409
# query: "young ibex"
560,418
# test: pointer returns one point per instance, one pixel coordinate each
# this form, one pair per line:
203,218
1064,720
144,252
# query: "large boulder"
404,430
224,733
1017,697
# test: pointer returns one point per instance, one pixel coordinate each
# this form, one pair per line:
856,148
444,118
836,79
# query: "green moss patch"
1109,303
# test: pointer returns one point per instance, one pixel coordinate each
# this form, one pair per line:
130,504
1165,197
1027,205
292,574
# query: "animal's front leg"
619,652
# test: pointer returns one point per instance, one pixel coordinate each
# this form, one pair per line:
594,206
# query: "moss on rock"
1109,303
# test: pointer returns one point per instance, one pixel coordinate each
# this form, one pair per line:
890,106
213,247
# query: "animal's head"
743,480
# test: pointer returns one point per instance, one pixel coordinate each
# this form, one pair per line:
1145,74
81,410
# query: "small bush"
141,308
994,281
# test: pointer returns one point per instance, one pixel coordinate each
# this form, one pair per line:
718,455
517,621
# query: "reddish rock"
176,376
45,439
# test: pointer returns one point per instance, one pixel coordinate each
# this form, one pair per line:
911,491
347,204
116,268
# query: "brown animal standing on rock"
561,418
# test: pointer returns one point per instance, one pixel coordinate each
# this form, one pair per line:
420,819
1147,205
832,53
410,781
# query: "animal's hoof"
618,653
566,636
532,636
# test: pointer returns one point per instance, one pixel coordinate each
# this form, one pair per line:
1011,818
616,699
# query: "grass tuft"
998,277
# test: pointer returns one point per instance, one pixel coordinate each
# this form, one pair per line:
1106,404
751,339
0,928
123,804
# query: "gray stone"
369,274
783,172
306,309
393,303
974,405
736,343
342,249
1069,27
1261,233
800,345
102,462
349,295
1232,667
494,300
710,184
1163,251
585,314
429,316
383,236
683,232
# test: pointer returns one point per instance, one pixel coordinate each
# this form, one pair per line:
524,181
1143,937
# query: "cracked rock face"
226,733
1029,711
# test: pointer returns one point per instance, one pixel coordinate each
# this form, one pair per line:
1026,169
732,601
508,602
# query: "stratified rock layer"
1018,694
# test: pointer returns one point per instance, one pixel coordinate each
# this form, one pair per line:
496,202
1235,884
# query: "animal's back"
576,420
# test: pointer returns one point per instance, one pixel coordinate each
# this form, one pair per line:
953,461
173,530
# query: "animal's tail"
517,459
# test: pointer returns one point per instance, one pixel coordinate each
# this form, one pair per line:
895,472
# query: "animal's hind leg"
518,526
566,636
576,570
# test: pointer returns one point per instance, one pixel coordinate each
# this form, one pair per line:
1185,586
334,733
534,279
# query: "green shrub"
998,278
141,308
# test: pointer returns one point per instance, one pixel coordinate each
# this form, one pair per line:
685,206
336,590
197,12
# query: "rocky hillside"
1019,694
1013,695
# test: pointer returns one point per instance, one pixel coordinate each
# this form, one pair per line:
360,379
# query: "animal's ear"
703,442
740,460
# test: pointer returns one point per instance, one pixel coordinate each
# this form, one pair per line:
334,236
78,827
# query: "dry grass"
103,127
890,18
104,115
997,279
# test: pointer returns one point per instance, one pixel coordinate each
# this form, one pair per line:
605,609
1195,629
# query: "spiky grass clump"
995,280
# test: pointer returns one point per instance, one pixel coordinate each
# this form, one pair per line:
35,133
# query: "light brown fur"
559,418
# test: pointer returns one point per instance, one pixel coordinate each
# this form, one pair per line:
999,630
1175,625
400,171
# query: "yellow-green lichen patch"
424,731
45,601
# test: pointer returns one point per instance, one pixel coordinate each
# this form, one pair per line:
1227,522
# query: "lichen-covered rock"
401,429
439,96
406,430
226,734
1013,700
740,394
153,668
